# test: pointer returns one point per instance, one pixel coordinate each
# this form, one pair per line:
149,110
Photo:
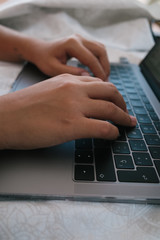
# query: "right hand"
61,109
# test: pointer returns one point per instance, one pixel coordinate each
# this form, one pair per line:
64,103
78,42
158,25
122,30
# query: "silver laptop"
125,170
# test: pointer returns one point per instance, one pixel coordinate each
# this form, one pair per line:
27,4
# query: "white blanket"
124,29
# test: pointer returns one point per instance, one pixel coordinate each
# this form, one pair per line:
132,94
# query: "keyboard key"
124,161
142,175
120,147
134,97
155,152
100,143
128,106
154,116
130,112
83,143
84,172
143,118
134,134
136,103
137,145
140,110
157,125
104,165
148,128
142,159
149,107
145,99
82,156
141,92
157,164
152,139
130,85
122,136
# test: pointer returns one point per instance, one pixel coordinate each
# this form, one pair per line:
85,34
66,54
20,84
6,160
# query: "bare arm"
14,47
51,57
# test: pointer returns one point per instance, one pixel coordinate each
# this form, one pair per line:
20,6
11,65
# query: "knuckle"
77,35
72,40
69,85
113,88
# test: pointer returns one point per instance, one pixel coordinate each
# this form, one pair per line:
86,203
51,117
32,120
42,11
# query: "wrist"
29,48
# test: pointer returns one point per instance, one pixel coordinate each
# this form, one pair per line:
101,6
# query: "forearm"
15,47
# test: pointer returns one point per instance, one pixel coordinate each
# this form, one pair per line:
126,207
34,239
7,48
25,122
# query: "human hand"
61,109
51,57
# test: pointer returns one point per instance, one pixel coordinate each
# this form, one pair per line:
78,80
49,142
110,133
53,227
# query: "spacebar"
104,165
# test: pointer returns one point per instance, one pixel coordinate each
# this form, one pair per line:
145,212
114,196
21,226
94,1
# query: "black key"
134,97
130,85
136,103
124,161
154,116
82,156
83,143
114,80
145,99
148,128
122,136
84,172
140,110
131,90
120,147
101,143
155,152
119,87
143,118
142,175
141,92
149,107
134,134
104,165
152,139
157,125
130,112
128,106
137,145
125,98
157,164
142,159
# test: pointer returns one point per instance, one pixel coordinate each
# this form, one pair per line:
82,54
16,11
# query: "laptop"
125,170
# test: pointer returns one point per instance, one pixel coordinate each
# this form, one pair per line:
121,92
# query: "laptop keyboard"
135,155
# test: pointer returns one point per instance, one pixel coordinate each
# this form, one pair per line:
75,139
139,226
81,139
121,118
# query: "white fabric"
122,26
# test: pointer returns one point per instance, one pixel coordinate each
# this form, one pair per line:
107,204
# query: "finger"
86,57
60,68
89,79
106,91
100,52
105,110
93,128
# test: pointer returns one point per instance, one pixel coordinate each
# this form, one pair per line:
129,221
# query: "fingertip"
133,121
84,74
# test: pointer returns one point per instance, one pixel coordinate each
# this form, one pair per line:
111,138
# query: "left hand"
51,57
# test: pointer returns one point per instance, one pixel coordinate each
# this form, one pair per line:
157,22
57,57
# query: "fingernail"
85,74
133,120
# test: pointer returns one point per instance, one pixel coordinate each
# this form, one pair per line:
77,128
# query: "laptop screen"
150,68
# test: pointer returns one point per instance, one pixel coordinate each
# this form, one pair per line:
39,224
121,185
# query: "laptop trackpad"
41,172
